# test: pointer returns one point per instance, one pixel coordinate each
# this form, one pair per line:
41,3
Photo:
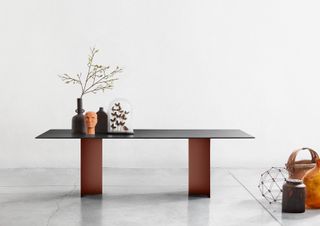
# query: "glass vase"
312,182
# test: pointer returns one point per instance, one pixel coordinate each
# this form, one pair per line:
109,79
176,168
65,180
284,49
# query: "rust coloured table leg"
199,166
91,166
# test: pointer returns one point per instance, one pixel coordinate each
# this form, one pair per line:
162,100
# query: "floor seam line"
58,205
250,193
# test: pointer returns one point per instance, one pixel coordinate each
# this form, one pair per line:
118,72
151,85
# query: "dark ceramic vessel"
293,196
78,121
102,125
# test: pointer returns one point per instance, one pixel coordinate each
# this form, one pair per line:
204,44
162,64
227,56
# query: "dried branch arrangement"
119,117
98,77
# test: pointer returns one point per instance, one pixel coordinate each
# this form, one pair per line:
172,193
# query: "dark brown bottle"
102,125
293,196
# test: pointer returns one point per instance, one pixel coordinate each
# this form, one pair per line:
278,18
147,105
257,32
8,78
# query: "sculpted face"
91,121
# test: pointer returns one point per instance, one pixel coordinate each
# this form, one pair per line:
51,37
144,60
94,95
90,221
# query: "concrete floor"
138,197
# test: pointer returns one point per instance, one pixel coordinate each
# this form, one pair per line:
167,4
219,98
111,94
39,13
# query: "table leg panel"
199,167
91,166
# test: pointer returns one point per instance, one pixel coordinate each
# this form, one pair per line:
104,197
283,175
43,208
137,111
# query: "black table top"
152,134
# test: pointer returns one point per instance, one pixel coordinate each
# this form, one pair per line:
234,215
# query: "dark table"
199,153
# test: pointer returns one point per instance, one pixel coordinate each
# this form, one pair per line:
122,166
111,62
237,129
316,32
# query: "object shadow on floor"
275,209
144,198
40,197
91,210
310,213
198,210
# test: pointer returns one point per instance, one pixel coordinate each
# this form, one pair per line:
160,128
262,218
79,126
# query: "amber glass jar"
312,182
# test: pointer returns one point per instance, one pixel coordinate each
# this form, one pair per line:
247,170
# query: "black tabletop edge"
66,134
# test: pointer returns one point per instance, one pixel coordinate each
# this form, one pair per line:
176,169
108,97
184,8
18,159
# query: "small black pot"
293,196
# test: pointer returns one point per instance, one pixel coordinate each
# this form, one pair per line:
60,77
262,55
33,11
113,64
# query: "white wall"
249,64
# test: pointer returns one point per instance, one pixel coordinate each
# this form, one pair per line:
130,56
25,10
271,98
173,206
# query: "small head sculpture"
91,122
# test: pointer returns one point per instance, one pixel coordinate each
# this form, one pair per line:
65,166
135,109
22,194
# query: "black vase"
102,125
78,121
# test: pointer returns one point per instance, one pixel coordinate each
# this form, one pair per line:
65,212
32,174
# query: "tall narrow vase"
78,121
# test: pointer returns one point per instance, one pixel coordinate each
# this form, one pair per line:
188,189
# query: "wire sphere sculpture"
271,182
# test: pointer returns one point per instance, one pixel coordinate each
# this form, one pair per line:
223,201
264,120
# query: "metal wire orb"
271,183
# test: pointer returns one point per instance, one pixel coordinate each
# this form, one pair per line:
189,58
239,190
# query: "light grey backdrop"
249,64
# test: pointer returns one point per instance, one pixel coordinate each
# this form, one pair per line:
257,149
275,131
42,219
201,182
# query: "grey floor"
138,197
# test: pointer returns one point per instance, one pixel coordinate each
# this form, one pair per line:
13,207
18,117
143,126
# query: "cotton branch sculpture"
98,77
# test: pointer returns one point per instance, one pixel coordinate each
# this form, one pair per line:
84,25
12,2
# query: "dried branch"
98,78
